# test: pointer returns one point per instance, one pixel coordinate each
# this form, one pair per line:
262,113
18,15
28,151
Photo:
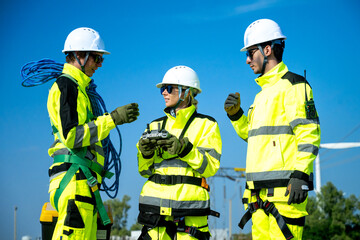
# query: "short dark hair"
71,58
278,49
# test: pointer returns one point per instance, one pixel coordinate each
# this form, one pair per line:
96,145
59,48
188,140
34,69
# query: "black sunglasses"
168,88
250,53
97,58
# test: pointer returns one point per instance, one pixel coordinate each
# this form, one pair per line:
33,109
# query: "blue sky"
145,39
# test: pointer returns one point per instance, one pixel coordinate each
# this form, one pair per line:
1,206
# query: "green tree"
119,211
332,216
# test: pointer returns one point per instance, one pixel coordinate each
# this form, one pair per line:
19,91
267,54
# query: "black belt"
64,167
178,179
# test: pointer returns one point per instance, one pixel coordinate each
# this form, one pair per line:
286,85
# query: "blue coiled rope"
39,72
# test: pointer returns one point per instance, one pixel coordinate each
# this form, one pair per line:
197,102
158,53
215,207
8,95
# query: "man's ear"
267,50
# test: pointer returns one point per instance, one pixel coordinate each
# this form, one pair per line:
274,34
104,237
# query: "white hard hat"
84,39
260,31
181,75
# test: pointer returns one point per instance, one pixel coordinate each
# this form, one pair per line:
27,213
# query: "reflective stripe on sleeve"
310,148
303,121
212,152
93,132
79,136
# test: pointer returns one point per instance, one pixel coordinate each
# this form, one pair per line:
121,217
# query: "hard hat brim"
82,50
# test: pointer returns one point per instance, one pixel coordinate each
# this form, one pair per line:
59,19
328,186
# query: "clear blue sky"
145,39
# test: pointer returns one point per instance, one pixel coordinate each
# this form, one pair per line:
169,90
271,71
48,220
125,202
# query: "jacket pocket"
278,158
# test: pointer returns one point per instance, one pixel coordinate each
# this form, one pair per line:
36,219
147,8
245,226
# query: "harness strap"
64,182
178,179
76,163
83,162
171,229
93,184
188,124
192,231
268,207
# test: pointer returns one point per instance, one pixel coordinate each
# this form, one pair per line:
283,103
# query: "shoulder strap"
188,124
69,77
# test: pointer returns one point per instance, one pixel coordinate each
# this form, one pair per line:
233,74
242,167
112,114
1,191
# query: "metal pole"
230,222
318,176
15,209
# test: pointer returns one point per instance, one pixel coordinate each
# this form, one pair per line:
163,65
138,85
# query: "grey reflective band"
212,152
171,163
100,150
310,148
271,130
93,132
270,175
168,203
56,175
55,142
79,136
303,121
61,151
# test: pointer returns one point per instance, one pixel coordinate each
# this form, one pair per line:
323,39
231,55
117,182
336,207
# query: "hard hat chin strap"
273,42
173,109
82,65
265,60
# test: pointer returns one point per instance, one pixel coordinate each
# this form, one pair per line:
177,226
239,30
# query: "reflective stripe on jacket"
202,160
70,112
280,137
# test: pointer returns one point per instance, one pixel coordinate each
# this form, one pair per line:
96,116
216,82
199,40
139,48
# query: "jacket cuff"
301,175
236,116
186,150
147,157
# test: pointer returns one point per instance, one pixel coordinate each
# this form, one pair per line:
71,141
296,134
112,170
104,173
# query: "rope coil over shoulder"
39,72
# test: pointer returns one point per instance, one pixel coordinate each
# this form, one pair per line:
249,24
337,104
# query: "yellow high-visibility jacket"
200,159
282,141
70,112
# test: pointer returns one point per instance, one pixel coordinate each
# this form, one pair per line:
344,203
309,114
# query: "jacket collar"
272,76
82,79
182,116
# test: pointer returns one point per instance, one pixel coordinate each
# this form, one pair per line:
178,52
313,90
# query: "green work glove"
298,190
125,114
173,145
147,147
232,103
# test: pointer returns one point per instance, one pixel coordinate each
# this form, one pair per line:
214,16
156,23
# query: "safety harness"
78,162
172,227
269,208
178,224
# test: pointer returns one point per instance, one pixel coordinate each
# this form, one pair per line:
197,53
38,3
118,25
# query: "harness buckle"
253,207
163,179
204,184
191,231
267,207
92,182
